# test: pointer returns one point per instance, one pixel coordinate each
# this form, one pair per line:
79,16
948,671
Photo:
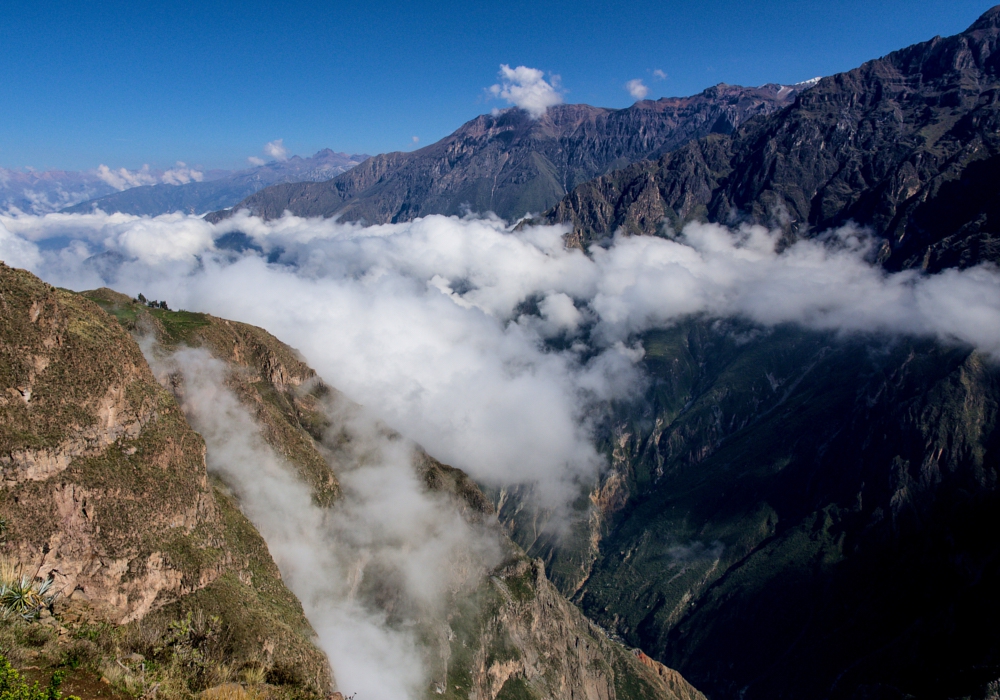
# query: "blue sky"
209,83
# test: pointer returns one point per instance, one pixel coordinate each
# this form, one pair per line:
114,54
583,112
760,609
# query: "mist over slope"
514,161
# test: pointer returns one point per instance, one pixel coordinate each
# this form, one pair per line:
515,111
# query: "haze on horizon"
209,84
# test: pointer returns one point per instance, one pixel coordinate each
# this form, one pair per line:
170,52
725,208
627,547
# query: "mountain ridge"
220,191
511,164
905,144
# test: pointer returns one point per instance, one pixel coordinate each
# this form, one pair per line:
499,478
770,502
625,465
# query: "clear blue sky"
127,83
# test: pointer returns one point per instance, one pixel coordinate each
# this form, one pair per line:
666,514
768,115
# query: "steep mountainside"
511,164
281,391
793,515
516,636
107,494
512,636
220,192
908,144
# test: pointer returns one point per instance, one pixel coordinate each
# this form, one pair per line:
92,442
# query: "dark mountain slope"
511,164
793,515
908,144
200,197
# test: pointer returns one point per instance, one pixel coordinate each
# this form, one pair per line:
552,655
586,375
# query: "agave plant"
24,597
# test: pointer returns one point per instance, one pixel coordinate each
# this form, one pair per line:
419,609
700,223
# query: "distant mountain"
512,164
908,144
43,192
225,191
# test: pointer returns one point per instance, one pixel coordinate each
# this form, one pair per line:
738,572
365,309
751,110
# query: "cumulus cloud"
527,88
276,149
123,178
254,160
659,74
416,139
637,89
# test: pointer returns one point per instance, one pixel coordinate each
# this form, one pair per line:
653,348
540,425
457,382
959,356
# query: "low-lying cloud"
527,88
491,347
373,573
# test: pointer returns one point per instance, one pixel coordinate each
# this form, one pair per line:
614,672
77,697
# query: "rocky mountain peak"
988,20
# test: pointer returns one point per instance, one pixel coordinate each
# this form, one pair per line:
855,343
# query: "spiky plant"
22,595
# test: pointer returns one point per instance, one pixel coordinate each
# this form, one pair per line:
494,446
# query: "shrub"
12,687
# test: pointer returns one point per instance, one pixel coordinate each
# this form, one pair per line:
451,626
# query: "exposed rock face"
519,637
511,164
106,490
516,636
907,144
87,429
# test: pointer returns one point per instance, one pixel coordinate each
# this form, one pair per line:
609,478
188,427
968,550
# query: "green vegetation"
12,687
179,326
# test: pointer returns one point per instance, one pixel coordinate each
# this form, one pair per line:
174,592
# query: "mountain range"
221,191
907,145
512,164
148,192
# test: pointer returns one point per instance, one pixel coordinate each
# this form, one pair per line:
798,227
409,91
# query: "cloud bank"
527,88
492,347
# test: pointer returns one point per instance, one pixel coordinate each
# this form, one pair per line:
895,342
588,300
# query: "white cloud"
387,527
636,89
424,322
123,178
527,88
254,160
659,74
276,149
416,139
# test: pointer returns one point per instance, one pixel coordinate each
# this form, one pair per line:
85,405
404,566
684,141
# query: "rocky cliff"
906,144
106,493
511,164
